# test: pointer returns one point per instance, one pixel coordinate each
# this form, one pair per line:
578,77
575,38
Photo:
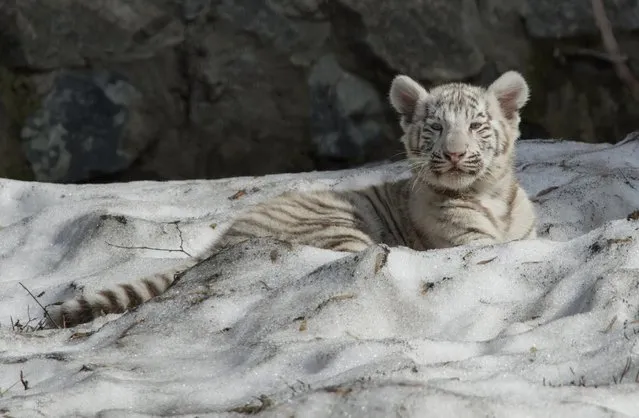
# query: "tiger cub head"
458,134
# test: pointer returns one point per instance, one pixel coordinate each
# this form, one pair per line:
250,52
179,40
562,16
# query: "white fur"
405,93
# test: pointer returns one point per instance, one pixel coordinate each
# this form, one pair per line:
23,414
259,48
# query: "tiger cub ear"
511,91
404,95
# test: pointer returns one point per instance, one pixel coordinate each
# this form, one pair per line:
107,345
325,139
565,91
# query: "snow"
546,327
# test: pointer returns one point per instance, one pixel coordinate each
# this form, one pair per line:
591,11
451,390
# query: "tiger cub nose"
454,157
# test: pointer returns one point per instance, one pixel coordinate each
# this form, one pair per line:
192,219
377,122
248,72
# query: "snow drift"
546,327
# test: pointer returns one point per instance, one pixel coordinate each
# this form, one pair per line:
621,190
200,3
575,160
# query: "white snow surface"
545,327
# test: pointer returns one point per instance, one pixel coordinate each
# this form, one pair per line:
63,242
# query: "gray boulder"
347,113
49,35
430,40
78,132
564,19
112,90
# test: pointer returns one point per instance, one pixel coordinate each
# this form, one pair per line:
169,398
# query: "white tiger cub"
459,140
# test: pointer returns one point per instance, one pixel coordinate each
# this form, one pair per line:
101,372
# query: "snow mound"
545,327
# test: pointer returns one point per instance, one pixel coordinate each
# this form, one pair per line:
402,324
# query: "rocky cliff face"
107,90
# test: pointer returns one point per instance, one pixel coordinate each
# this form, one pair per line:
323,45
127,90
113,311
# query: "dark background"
118,90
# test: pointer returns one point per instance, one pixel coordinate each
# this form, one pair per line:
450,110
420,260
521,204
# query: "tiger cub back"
460,143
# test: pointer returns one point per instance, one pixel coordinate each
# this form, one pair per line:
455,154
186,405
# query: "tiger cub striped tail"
117,299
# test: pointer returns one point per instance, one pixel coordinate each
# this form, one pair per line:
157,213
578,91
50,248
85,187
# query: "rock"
191,9
5,124
65,33
561,19
16,102
219,88
13,163
78,131
247,110
310,10
410,36
347,114
296,28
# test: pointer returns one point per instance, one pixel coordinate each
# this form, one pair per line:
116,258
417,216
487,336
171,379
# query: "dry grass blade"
238,194
486,261
380,260
252,409
3,391
626,368
633,216
46,313
624,240
303,325
545,192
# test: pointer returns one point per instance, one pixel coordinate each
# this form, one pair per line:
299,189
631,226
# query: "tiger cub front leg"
462,227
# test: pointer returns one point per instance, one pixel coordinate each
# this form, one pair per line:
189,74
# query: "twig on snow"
612,47
144,247
25,383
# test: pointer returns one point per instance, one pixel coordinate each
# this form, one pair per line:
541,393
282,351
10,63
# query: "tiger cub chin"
460,144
